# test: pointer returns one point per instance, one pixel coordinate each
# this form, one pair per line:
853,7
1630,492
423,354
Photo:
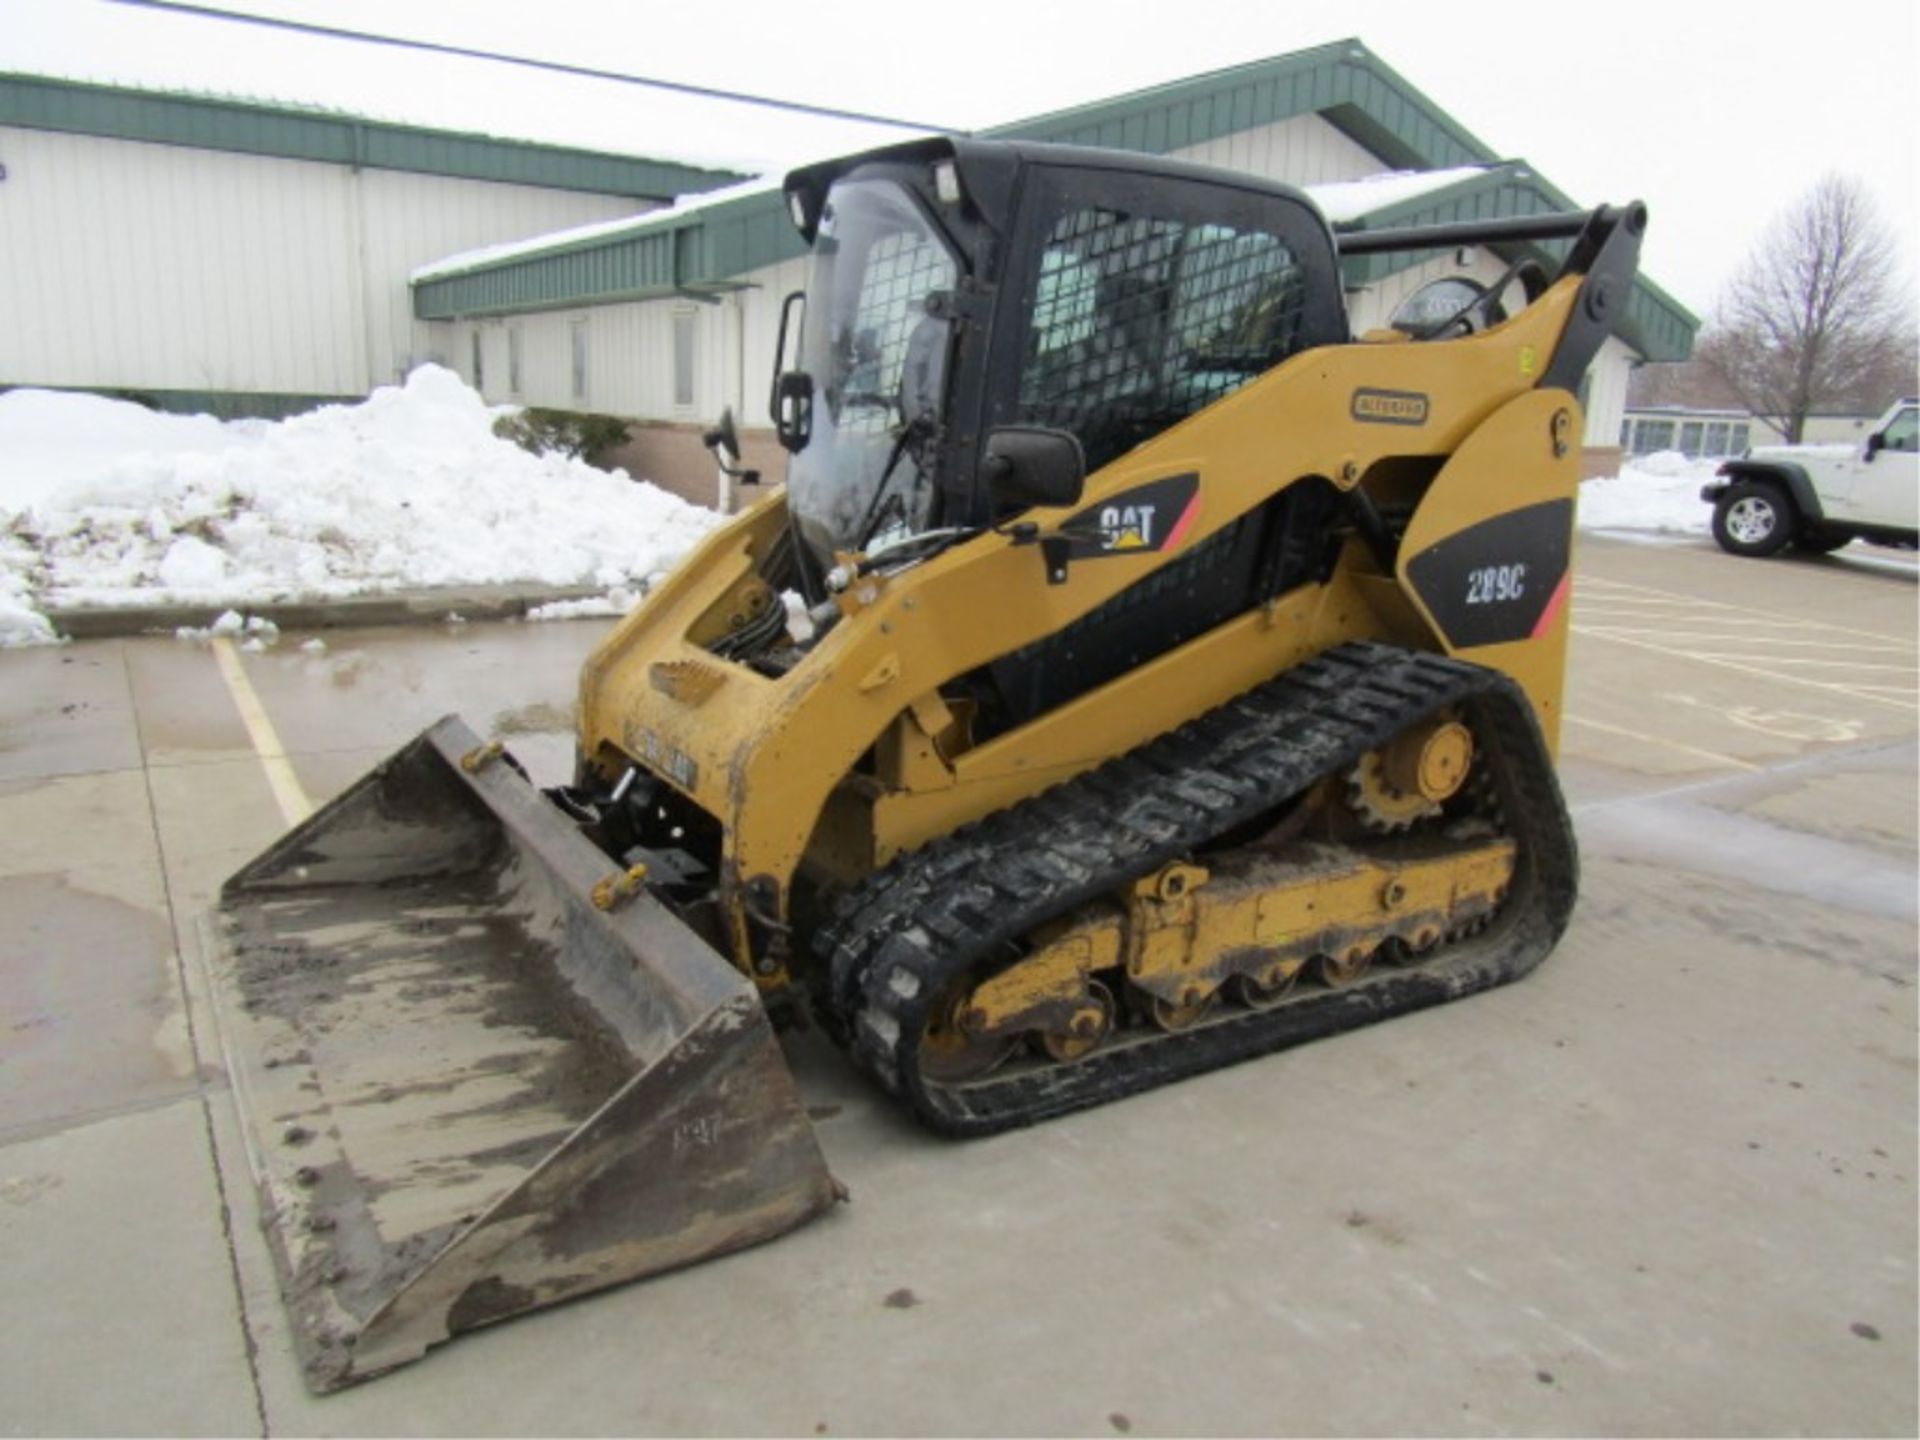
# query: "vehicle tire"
1815,541
1753,518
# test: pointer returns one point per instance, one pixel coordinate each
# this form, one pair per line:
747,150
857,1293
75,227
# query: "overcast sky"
1716,114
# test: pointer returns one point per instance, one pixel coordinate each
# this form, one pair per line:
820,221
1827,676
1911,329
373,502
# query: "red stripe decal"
1555,605
1181,525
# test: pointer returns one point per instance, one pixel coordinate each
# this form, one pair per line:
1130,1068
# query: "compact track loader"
1137,674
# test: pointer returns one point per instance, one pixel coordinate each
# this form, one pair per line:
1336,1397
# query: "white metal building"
254,258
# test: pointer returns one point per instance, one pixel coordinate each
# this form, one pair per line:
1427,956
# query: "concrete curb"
406,607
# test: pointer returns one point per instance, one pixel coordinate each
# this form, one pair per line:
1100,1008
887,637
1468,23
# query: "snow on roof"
1350,200
597,230
154,50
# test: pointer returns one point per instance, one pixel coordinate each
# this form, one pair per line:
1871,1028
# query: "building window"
1697,439
479,370
683,357
1652,435
579,334
513,360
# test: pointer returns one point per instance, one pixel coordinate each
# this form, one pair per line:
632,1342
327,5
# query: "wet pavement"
1664,1185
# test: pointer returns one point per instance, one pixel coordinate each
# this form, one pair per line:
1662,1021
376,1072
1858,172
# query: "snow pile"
617,601
1655,492
104,503
20,623
48,437
260,632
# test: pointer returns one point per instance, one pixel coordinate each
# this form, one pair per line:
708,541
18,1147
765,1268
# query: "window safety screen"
1139,321
875,345
902,270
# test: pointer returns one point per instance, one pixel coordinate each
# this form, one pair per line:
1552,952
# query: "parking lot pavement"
1664,1185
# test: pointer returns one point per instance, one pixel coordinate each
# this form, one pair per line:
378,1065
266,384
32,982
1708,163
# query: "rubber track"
958,904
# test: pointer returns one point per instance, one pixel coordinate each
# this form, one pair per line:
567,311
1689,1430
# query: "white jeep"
1818,497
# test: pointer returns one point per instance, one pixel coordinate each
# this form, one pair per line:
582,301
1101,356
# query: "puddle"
92,1010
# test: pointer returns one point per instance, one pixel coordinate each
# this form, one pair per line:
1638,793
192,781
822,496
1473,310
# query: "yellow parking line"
1712,755
287,790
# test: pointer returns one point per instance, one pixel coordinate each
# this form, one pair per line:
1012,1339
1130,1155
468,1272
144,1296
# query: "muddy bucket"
470,1091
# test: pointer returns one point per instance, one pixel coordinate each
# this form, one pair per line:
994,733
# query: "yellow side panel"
1487,559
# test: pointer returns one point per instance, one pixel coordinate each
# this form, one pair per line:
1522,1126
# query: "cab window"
1901,430
1148,302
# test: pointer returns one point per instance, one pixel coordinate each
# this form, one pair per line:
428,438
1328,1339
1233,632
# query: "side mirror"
1031,465
1876,442
793,409
724,441
791,400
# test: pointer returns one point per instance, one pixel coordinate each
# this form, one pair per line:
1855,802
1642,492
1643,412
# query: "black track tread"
900,939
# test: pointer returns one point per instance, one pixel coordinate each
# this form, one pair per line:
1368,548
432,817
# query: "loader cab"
960,288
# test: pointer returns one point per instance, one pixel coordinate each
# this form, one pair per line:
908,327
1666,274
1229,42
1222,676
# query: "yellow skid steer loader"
1138,673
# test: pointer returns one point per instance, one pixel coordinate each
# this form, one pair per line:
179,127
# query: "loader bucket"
468,1090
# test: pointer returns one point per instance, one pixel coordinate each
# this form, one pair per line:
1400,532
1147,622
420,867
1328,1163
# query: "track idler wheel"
1266,989
1422,940
1175,1016
950,1052
1088,1028
1344,968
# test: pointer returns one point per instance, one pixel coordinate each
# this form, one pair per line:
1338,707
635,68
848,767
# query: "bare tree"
1693,384
1817,318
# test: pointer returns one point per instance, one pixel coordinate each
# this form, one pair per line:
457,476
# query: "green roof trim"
1655,324
37,102
1344,82
695,254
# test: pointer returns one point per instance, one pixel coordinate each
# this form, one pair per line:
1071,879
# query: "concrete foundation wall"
1599,461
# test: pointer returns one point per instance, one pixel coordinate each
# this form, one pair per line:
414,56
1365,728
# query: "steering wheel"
1533,280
